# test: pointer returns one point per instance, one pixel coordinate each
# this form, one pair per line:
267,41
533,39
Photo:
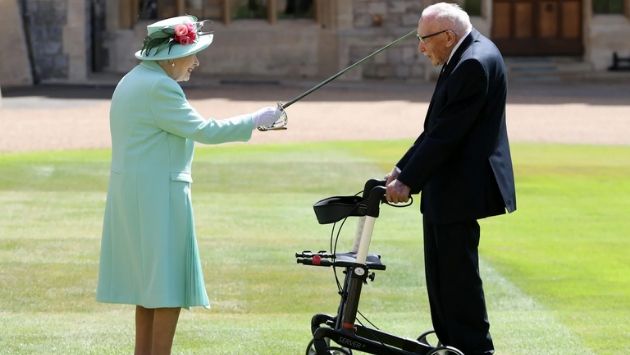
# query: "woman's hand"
266,116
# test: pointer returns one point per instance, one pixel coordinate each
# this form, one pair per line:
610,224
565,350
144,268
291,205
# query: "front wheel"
429,338
332,350
445,350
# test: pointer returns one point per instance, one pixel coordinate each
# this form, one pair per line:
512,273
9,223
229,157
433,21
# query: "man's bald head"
449,16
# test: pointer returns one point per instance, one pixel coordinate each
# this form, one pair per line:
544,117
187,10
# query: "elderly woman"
149,255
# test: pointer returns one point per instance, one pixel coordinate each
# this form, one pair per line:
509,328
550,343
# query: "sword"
282,122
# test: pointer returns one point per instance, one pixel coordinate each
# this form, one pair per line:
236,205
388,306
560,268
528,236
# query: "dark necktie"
442,75
437,86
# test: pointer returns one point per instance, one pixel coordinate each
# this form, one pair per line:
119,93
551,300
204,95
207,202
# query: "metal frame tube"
366,239
357,234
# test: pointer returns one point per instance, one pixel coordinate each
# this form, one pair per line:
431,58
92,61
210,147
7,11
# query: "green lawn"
556,273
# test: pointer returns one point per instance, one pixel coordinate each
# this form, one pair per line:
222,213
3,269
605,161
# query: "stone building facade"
72,41
335,34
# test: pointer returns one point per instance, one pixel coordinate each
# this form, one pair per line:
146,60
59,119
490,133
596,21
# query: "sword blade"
341,72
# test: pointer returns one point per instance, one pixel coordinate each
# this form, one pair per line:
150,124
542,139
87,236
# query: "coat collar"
152,65
452,63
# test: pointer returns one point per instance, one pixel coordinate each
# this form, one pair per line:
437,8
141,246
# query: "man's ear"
451,38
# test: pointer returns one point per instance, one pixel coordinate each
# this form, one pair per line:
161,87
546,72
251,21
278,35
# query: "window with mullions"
147,10
205,9
472,7
132,11
249,9
297,9
270,9
608,6
156,9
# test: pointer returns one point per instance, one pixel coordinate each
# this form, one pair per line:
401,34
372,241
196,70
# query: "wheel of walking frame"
332,350
445,350
430,338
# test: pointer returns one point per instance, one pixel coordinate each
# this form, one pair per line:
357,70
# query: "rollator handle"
336,208
373,201
370,184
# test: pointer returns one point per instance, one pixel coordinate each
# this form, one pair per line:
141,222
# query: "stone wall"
288,49
608,34
378,22
15,65
375,24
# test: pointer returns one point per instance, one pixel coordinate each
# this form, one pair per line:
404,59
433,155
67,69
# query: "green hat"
175,37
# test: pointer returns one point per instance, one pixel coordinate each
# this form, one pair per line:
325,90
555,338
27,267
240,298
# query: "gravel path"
50,117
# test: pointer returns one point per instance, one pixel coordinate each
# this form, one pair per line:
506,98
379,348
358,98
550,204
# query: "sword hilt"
280,124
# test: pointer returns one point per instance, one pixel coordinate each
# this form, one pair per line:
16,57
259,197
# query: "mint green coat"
149,254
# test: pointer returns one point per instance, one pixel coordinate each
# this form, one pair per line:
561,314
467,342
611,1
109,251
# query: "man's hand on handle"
396,192
392,175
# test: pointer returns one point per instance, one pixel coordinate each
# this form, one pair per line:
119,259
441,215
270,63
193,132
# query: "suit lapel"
448,68
460,50
438,84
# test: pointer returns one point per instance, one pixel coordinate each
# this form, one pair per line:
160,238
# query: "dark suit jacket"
461,162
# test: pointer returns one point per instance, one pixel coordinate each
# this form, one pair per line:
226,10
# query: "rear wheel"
430,338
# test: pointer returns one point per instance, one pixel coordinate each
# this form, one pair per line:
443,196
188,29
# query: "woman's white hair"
451,15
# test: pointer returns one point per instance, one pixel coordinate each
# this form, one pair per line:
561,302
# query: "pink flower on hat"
184,40
185,33
182,30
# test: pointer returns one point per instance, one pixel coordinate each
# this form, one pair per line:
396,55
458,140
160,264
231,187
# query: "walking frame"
340,334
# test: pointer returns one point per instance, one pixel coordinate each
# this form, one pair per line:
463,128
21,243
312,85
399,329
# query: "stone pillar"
335,18
76,40
16,66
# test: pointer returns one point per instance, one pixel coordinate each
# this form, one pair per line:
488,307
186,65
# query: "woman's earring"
173,64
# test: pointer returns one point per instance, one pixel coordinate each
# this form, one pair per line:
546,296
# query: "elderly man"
461,163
